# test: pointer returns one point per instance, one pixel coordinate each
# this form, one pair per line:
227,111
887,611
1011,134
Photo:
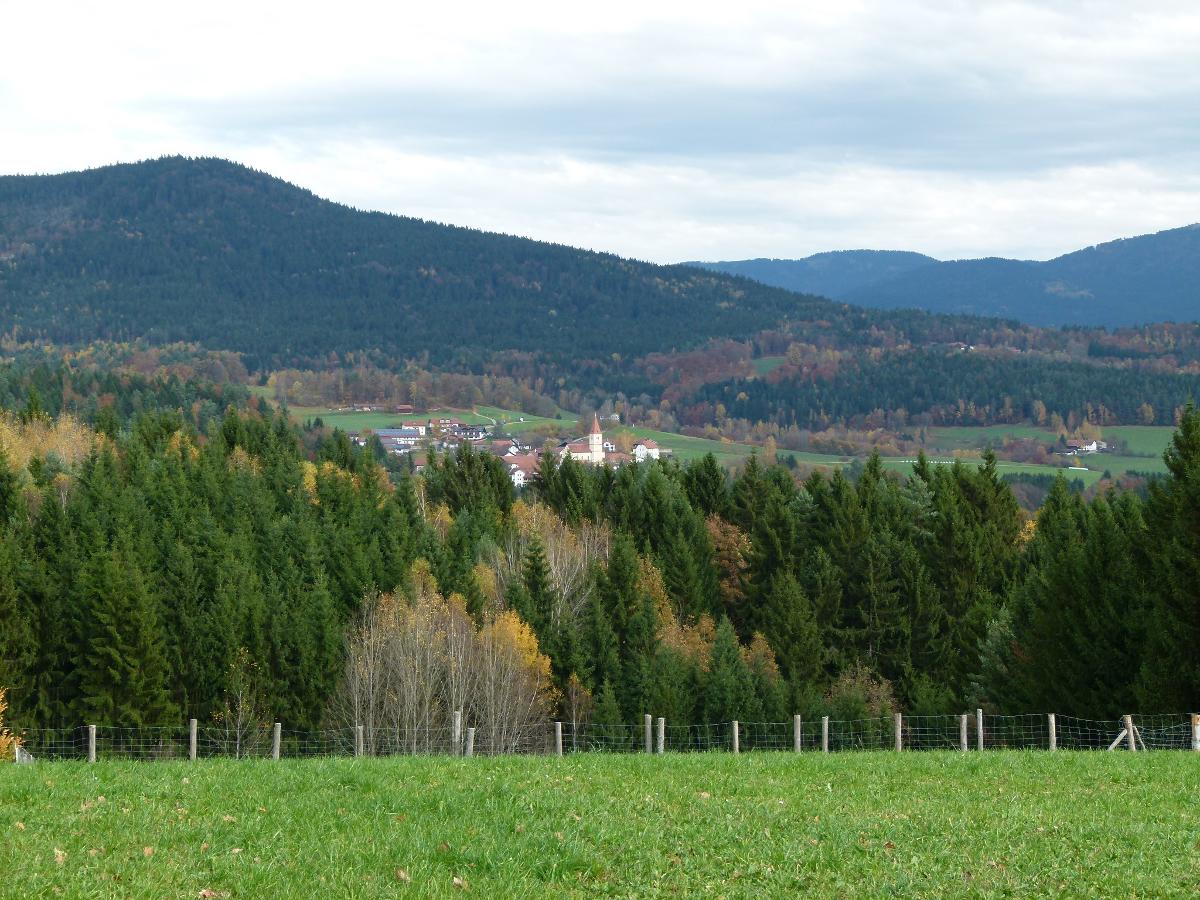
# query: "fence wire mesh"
806,735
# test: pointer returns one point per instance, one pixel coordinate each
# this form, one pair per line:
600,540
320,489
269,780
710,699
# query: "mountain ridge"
205,249
1126,281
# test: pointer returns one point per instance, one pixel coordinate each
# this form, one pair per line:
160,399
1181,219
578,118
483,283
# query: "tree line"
138,579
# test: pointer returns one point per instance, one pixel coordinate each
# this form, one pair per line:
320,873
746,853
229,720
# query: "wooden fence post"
456,733
91,743
470,742
661,736
1130,740
737,747
358,740
824,734
962,733
979,728
797,733
648,723
193,727
276,739
899,732
1052,724
1196,731
558,738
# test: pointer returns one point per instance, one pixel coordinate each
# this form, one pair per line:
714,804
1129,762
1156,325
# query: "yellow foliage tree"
8,741
64,437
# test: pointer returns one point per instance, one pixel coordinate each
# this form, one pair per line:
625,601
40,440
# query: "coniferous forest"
169,541
144,570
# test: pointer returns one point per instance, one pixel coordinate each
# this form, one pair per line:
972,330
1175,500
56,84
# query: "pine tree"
1078,612
619,585
602,648
640,647
124,670
10,491
18,646
705,483
1171,668
787,620
535,578
728,684
609,731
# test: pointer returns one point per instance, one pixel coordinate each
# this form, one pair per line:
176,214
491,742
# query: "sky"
659,130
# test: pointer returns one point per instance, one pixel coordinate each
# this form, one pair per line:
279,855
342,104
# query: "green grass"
974,437
765,364
1004,467
1143,440
1006,823
1146,444
686,448
357,421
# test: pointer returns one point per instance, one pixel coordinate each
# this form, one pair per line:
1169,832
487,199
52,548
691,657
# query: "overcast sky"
660,130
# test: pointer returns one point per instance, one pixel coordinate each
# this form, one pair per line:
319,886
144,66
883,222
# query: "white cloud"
664,130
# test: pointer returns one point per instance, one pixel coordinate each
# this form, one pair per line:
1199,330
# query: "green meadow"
1004,823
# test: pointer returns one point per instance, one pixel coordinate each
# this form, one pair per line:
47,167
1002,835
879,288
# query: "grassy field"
1145,444
766,364
1142,440
1091,476
484,415
874,824
942,441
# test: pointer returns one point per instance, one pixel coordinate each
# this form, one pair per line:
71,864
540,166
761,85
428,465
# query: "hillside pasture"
1007,823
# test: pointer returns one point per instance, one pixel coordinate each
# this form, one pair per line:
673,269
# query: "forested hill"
1151,278
832,274
210,251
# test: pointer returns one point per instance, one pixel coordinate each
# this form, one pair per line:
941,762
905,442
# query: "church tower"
596,442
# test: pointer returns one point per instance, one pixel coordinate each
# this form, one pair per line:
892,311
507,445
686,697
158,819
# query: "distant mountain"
1152,278
209,251
833,274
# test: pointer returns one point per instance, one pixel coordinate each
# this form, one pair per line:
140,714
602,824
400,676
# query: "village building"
646,449
395,440
1079,448
589,449
521,468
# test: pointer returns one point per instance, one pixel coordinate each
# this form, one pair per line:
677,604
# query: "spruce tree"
728,685
1171,669
124,669
787,620
609,730
640,646
18,645
601,645
705,483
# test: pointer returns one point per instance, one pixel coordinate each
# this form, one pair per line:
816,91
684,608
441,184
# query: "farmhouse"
521,468
647,449
395,440
1079,447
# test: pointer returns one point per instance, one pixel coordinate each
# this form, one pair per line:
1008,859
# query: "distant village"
445,434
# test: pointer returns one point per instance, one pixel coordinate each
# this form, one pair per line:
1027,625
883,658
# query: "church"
590,449
593,450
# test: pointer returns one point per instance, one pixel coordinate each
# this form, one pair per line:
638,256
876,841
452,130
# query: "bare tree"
242,720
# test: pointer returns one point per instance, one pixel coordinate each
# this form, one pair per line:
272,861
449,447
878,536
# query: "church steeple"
596,442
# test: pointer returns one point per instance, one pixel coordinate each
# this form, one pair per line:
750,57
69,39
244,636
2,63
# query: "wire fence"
968,732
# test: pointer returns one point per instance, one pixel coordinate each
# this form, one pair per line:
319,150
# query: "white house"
646,449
